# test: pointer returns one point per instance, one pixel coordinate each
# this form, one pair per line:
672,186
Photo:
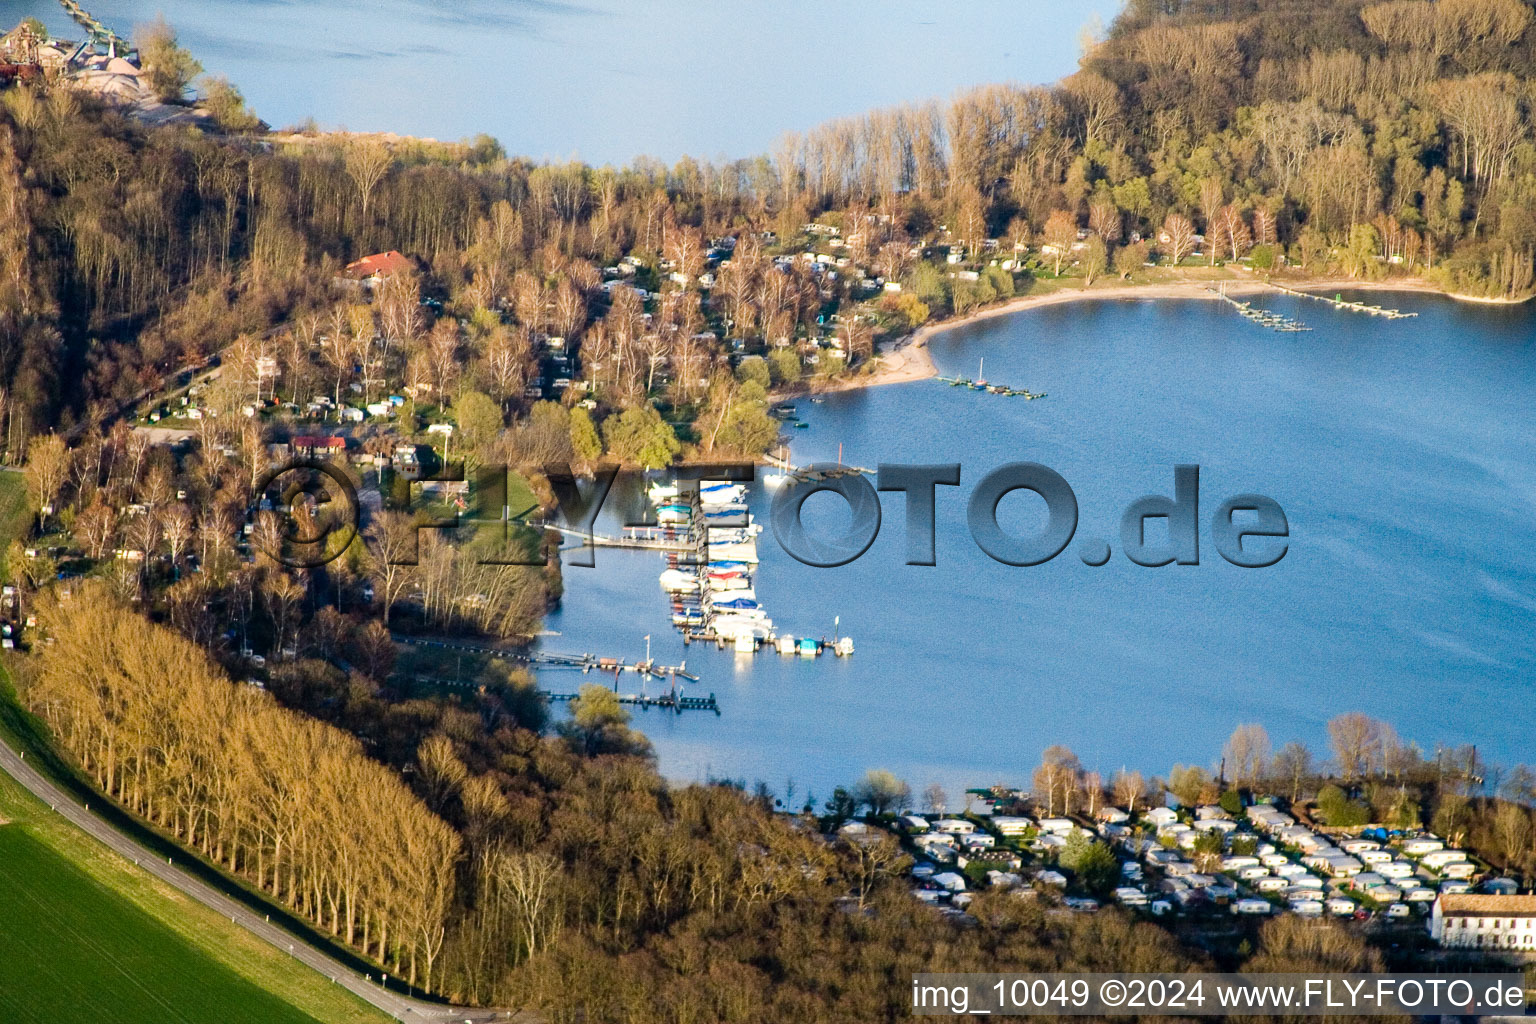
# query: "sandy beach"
907,358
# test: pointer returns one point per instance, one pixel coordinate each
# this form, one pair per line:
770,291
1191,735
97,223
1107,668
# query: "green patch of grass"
519,494
15,515
89,937
86,935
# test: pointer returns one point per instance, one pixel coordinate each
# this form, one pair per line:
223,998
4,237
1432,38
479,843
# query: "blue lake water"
604,80
1400,450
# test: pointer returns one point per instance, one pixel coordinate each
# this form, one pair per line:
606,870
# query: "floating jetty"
672,701
548,659
1263,317
1339,302
982,384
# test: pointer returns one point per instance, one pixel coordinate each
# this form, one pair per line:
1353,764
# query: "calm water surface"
1401,452
604,80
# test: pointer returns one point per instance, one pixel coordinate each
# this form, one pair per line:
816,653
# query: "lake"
1400,451
602,80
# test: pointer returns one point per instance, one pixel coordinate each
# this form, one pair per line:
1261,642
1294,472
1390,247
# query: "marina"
710,591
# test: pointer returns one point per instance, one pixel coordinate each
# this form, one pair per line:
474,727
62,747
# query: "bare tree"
366,163
531,883
1512,829
178,526
1060,236
875,858
1355,740
394,541
1129,788
1247,753
1177,238
47,469
1232,232
1211,195
1057,778
1293,763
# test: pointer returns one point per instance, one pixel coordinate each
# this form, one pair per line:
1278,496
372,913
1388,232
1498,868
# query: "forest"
1338,137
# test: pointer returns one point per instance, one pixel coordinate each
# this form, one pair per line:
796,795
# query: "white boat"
727,596
737,583
676,580
671,514
744,552
745,643
659,492
776,480
729,627
733,534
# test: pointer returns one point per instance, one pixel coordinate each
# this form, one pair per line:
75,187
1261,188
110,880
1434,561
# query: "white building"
1011,824
1466,921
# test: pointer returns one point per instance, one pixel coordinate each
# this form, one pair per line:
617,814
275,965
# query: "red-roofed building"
313,445
370,270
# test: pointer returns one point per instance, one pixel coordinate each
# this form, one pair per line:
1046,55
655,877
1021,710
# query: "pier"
1338,302
675,703
1262,317
645,538
982,384
549,659
672,701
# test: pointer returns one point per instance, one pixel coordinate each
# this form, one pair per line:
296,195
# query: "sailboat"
980,383
773,481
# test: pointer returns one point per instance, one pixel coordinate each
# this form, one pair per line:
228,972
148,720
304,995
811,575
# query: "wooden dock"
639,542
1340,303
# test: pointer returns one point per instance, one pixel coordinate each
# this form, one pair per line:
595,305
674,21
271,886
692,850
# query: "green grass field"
86,936
14,514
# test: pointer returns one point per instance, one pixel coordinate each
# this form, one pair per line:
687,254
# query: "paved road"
396,1005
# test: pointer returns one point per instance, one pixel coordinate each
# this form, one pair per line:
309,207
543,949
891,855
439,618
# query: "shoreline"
907,358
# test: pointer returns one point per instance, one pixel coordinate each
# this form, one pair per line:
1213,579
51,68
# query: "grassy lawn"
85,935
15,516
